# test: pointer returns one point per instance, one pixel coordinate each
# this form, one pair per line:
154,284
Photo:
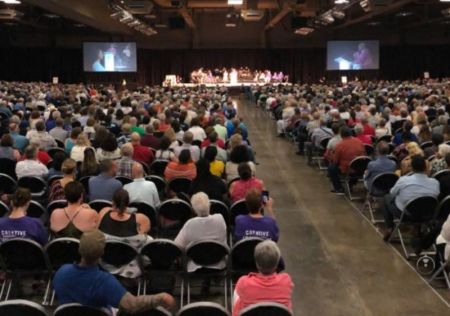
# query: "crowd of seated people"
102,145
402,127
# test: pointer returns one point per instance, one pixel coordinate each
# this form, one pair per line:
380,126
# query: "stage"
229,85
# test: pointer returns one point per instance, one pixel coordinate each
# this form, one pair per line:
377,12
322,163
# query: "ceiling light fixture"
235,2
11,1
340,1
366,5
304,31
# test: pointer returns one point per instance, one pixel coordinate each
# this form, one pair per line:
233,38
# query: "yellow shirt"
217,167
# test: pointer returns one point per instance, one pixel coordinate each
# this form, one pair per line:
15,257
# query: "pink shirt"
239,188
257,288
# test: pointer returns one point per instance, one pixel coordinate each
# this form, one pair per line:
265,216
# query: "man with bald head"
141,190
141,153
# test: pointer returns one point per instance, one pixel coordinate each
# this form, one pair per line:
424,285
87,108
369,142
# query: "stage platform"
228,85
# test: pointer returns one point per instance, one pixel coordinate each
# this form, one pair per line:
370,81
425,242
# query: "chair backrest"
7,183
369,149
203,309
207,252
36,185
53,179
421,209
238,208
178,185
158,166
218,207
59,143
175,209
382,183
124,180
242,255
52,151
36,210
144,166
8,166
266,309
22,307
62,251
147,210
159,182
99,204
85,182
438,175
55,204
397,126
443,210
385,138
324,142
159,311
20,254
164,254
118,253
358,166
426,145
4,209
78,310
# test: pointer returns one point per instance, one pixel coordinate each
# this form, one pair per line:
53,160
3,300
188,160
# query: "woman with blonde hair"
439,163
69,168
413,149
77,152
170,134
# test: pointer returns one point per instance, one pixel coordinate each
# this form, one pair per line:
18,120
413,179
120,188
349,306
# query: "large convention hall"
224,157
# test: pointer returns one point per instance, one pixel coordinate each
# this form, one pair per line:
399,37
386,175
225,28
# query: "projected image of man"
362,58
97,65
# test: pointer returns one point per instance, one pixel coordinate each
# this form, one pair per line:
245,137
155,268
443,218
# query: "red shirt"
257,288
365,139
347,150
239,188
144,154
207,142
368,130
43,157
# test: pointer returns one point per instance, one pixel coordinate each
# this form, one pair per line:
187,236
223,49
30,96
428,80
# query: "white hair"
200,204
443,149
267,256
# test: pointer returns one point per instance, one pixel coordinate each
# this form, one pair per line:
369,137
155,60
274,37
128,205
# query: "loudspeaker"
298,22
176,22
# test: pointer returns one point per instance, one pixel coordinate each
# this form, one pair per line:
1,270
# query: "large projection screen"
109,57
353,55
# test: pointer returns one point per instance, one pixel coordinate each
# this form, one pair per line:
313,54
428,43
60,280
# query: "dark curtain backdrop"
305,65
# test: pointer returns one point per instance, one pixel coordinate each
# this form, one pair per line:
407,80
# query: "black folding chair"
442,272
4,209
176,210
85,182
355,173
60,251
36,210
75,309
179,185
426,145
53,179
54,205
203,309
124,180
370,151
443,210
20,257
438,175
317,156
381,185
98,205
417,212
237,208
158,167
218,207
7,184
159,182
52,151
8,166
36,185
22,308
384,138
266,309
59,143
207,253
149,211
118,253
158,311
144,166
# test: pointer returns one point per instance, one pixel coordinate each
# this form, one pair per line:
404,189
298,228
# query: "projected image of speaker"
109,56
176,23
353,55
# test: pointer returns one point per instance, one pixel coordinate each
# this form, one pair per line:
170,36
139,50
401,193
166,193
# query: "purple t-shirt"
265,227
23,227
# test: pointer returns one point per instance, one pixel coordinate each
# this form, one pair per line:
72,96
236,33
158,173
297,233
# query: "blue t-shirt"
87,286
23,227
265,227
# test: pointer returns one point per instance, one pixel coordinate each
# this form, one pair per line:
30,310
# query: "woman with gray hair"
266,285
202,227
439,163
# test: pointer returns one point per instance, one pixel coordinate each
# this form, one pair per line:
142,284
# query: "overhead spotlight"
235,2
340,15
304,31
366,5
11,1
340,1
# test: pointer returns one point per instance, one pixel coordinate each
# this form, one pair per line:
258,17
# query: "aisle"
339,264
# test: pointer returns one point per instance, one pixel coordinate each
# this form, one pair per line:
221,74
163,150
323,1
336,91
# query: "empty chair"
8,166
78,310
98,205
266,309
54,205
158,166
203,309
417,212
36,185
237,208
124,180
355,173
22,308
218,207
7,184
381,185
179,185
20,257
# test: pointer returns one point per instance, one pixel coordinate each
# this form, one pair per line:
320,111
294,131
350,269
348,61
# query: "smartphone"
265,196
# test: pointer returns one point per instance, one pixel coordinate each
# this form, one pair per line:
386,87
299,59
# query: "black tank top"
119,228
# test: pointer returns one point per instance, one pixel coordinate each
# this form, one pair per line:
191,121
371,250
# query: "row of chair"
28,308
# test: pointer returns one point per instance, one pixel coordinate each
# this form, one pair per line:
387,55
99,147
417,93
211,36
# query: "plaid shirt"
124,169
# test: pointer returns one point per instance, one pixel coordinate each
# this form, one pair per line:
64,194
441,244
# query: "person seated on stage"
406,189
188,138
31,166
239,188
346,150
103,186
18,225
141,190
184,167
203,227
77,217
266,285
84,283
141,153
381,164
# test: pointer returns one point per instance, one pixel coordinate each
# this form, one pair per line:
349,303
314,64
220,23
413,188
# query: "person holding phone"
257,224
